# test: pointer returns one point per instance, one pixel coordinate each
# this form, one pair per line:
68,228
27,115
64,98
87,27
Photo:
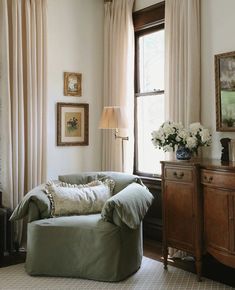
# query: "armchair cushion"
79,199
131,204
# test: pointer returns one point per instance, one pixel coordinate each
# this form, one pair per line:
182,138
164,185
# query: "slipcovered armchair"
104,246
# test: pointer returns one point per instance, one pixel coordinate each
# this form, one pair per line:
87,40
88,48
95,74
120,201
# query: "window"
149,88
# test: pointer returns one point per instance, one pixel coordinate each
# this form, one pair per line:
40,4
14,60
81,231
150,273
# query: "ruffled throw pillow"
71,199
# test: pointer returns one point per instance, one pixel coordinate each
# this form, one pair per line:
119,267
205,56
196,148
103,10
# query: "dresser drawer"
218,179
179,174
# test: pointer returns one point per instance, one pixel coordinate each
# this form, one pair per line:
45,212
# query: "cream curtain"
118,80
23,89
182,63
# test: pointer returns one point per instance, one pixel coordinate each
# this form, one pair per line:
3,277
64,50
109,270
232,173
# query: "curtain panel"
118,80
23,85
182,60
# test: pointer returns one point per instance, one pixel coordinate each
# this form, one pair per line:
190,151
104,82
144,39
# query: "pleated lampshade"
112,118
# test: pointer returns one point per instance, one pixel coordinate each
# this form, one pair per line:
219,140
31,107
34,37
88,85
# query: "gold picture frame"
225,91
72,84
72,124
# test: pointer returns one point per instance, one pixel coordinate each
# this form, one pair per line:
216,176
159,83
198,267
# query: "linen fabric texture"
102,248
70,199
118,80
83,246
23,100
121,179
131,205
35,205
182,61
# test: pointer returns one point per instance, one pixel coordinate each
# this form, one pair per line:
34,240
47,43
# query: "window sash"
137,61
147,20
143,127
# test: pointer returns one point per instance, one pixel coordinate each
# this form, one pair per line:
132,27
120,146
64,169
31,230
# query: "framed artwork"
72,84
225,91
72,124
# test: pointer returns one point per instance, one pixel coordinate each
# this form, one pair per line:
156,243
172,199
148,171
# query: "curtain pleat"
33,99
118,79
30,92
182,62
23,95
36,104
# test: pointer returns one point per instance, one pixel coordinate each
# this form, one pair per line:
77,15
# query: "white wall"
75,44
217,28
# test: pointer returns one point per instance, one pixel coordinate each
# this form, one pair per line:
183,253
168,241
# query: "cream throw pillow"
72,199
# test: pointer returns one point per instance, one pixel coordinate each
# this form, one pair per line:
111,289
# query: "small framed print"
72,84
72,124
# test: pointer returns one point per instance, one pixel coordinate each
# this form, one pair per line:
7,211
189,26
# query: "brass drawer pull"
209,180
180,176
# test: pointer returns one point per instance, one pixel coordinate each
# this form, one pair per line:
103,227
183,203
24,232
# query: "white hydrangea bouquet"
171,136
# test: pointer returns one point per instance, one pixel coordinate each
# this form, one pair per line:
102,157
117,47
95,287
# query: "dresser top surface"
203,163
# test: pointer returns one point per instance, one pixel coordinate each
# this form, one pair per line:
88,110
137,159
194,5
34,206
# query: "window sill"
148,176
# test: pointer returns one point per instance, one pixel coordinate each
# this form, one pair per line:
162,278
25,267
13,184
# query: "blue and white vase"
183,153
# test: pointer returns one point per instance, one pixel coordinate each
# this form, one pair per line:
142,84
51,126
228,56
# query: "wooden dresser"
199,209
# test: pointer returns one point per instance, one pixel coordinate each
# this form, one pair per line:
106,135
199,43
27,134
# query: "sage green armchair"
106,246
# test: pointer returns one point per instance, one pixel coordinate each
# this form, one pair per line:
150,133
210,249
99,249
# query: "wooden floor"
211,269
12,259
152,249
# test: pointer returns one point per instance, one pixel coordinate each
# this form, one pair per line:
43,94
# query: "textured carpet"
151,276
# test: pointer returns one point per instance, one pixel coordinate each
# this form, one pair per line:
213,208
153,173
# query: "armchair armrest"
131,204
33,212
35,205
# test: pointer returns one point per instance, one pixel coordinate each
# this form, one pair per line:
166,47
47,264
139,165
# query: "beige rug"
151,276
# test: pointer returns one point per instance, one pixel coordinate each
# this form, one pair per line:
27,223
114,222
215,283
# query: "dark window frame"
148,20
